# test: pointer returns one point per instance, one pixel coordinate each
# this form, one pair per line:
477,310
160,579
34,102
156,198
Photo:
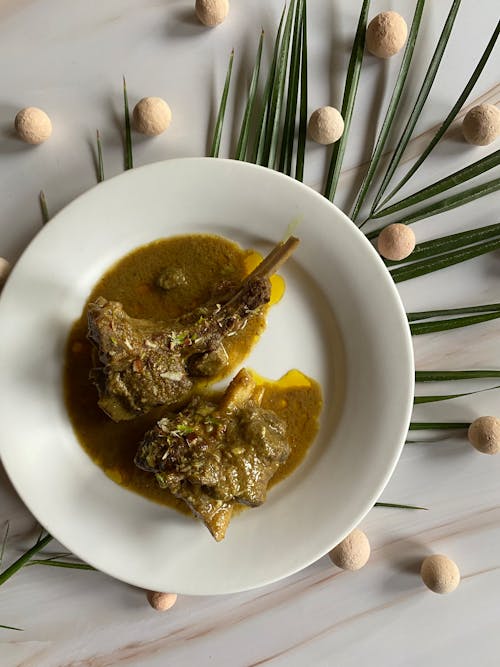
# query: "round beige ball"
440,574
386,34
212,12
33,125
481,125
161,601
396,242
151,116
353,552
484,435
326,125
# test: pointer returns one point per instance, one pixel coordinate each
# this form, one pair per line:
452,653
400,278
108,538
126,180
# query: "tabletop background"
68,58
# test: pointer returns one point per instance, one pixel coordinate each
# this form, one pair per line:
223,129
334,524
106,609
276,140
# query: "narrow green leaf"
100,163
219,123
443,261
10,627
241,149
446,204
287,142
277,93
457,178
422,96
21,562
438,426
446,376
452,242
418,400
450,117
59,563
4,541
266,100
391,110
402,507
43,207
427,314
301,142
348,101
129,160
421,328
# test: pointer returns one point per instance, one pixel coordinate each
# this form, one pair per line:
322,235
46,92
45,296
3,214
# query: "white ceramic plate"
341,322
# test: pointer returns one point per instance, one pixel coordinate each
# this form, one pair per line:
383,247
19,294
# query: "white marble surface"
68,57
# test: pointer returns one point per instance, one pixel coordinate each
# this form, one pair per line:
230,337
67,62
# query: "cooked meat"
146,363
212,455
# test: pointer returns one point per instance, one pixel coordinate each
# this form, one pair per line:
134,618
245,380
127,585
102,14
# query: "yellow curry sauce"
205,261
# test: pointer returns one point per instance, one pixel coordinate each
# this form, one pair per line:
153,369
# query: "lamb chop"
213,455
147,363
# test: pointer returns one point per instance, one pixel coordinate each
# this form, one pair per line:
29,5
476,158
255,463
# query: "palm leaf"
287,143
219,123
442,244
427,314
434,398
100,163
442,261
4,541
445,376
446,204
451,116
60,563
457,178
23,560
241,149
391,109
422,96
445,325
276,100
43,207
402,507
438,426
348,101
301,142
129,160
266,101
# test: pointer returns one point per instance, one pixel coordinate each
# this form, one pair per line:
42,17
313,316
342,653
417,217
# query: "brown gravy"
205,261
